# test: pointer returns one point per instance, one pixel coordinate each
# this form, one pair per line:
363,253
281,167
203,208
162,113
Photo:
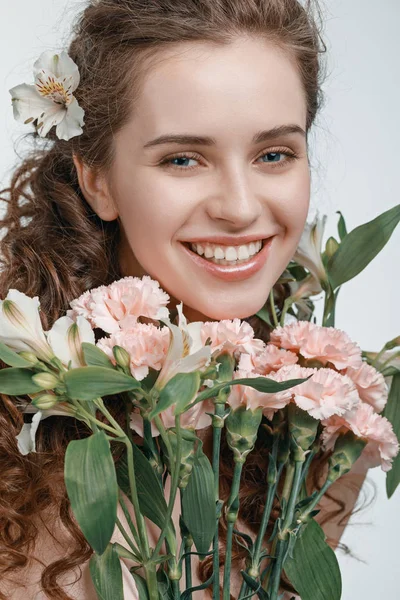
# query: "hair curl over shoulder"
54,246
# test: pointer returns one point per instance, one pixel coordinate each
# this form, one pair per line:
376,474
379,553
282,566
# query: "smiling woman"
230,192
235,86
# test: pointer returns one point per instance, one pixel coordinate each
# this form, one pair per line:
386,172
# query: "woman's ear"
96,191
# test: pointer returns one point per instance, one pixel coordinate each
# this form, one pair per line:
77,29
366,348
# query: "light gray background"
355,157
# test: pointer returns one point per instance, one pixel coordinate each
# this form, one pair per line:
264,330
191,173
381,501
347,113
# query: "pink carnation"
382,445
244,395
326,393
233,336
146,344
371,385
120,304
194,418
270,359
325,344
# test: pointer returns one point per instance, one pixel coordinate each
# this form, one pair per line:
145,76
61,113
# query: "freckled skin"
229,93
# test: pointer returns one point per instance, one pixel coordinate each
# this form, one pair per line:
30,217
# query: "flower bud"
45,401
121,356
226,367
187,456
47,381
303,427
29,356
331,247
241,430
348,448
393,343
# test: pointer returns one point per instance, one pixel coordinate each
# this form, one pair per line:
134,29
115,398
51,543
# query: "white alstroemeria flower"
20,325
27,436
50,100
66,337
186,353
308,253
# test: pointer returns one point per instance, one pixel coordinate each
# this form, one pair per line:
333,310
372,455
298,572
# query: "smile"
217,262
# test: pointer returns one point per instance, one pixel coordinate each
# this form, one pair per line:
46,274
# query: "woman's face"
237,182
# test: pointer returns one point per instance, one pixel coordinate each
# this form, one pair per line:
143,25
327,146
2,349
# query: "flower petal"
67,345
27,103
60,65
27,436
70,126
20,325
53,115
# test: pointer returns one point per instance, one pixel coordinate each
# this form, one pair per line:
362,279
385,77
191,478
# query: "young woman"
197,115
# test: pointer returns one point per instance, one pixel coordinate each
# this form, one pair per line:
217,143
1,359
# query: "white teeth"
230,253
227,254
219,253
243,252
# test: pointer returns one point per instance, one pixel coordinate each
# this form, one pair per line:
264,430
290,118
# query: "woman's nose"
237,202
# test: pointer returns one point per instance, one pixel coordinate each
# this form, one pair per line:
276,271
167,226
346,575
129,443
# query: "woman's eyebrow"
261,136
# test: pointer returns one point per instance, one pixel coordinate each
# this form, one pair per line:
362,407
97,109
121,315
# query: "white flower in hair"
50,100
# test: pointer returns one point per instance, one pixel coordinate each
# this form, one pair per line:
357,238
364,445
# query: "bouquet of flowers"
309,387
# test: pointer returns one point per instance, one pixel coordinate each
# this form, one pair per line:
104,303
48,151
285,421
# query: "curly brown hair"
54,246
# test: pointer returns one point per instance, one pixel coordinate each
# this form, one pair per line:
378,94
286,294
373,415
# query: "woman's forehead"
219,86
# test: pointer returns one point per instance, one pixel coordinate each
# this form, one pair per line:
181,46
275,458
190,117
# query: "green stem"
395,355
231,519
254,569
149,566
128,519
377,357
188,558
289,475
316,500
273,311
174,483
98,423
282,537
286,305
127,538
218,424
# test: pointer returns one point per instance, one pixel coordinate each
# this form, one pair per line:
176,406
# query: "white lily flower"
27,436
20,325
308,253
50,100
186,353
66,337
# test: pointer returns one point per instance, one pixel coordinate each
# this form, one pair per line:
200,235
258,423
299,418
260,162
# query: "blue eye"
187,156
274,155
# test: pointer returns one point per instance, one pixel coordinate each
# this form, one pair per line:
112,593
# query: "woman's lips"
233,272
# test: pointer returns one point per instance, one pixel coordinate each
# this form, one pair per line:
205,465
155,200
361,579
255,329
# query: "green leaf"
179,390
165,590
95,357
360,246
314,569
141,586
187,594
198,502
88,383
392,413
264,315
255,586
11,358
150,493
341,226
262,384
106,574
16,381
92,488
